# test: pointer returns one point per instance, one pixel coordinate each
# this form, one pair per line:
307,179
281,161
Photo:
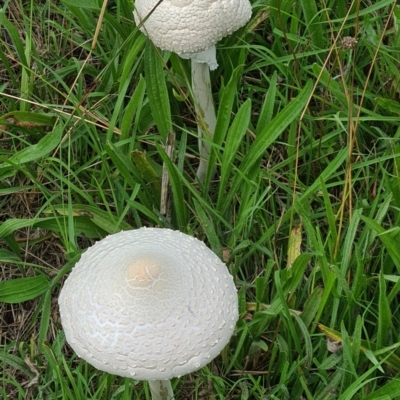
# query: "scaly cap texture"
190,26
148,304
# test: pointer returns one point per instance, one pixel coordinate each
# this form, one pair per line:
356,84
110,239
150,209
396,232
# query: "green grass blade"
224,114
385,355
311,307
329,215
22,289
312,18
44,319
208,227
333,86
99,217
384,314
15,37
266,138
133,108
176,186
390,390
88,4
157,90
233,141
27,119
11,225
123,164
267,109
36,151
390,244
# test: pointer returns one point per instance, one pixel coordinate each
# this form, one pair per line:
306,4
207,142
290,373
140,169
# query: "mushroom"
149,304
191,28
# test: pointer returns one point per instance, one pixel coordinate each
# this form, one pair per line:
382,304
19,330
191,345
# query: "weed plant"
304,207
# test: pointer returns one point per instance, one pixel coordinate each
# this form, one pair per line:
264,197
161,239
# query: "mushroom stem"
161,390
206,119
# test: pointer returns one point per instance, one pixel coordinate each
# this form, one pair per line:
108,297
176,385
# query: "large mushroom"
149,304
191,28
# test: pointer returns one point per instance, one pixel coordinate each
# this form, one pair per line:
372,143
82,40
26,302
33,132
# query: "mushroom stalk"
206,119
161,390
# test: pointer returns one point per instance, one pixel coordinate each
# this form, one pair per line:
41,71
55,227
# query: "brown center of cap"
143,272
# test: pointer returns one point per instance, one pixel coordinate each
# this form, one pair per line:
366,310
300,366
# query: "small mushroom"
149,304
191,28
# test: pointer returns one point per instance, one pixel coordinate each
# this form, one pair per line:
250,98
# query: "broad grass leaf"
83,225
15,37
157,90
311,306
11,225
312,18
225,107
36,151
133,109
131,58
27,119
13,76
388,104
224,115
390,390
348,243
233,141
7,256
267,108
23,289
101,218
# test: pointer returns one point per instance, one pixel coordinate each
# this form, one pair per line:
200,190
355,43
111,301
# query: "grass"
304,209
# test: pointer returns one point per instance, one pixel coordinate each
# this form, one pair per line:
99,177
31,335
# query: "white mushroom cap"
149,304
190,26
